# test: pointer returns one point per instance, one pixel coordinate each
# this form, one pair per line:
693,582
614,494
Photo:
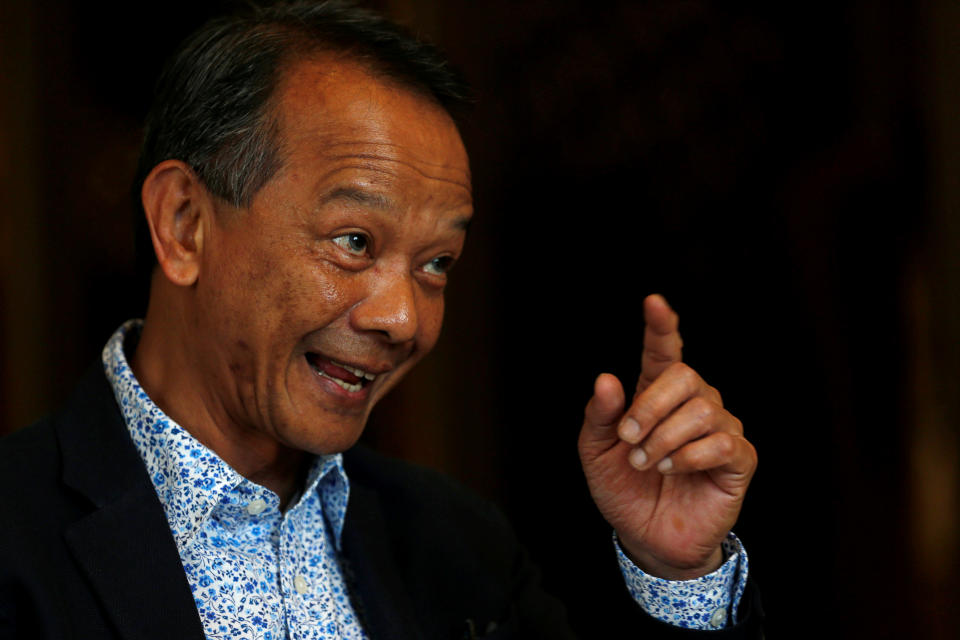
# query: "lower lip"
328,385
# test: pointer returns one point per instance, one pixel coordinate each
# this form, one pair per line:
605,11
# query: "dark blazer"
86,551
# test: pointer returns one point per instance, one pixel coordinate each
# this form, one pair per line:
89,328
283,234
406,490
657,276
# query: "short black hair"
212,106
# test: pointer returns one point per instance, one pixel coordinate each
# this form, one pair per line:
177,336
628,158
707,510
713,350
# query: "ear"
176,204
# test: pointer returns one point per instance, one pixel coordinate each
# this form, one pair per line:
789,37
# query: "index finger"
662,345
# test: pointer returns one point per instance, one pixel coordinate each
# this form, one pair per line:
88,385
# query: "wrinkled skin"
670,470
342,256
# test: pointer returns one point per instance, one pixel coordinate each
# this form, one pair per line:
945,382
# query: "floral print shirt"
255,572
261,574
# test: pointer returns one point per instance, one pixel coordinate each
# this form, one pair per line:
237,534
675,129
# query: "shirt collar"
190,479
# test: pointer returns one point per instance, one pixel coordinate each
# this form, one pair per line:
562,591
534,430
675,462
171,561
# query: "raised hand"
670,472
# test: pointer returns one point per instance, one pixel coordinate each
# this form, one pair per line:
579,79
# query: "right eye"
356,243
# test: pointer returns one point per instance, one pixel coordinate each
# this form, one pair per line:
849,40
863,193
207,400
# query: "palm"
680,519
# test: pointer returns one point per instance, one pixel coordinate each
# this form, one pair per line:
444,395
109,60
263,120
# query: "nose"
390,308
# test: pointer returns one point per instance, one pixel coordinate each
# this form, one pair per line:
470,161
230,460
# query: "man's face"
320,296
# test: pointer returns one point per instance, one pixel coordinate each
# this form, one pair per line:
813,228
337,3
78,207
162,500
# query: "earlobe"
175,203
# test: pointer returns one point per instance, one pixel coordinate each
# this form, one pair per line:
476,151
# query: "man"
306,192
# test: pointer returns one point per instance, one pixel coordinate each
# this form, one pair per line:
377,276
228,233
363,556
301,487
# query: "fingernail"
665,466
629,430
638,458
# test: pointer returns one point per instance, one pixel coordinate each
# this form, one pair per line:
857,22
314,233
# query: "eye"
439,266
356,243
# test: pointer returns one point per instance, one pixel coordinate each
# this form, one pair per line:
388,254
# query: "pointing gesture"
670,470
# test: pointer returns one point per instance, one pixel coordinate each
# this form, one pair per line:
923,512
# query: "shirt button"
300,584
256,507
718,618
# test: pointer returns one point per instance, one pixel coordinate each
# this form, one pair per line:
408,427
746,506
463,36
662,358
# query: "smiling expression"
321,295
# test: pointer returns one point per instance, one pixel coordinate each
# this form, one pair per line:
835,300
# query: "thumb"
601,416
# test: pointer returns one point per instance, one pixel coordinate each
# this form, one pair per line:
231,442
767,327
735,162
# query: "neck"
175,381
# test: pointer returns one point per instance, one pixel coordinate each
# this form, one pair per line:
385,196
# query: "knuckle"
687,376
678,369
715,395
726,444
703,410
657,357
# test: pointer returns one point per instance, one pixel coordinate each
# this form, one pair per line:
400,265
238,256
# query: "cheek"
309,297
330,288
235,303
245,291
329,292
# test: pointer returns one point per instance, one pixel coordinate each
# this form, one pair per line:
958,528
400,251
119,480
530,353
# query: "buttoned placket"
256,507
304,592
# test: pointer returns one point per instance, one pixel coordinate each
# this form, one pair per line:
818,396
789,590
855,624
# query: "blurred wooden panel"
933,314
23,264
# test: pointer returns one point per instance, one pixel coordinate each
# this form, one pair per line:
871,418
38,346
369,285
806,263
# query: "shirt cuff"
707,603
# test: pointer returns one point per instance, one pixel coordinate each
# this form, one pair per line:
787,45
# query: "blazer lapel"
124,548
124,543
387,608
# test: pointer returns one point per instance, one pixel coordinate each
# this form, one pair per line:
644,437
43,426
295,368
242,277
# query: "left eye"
355,243
439,266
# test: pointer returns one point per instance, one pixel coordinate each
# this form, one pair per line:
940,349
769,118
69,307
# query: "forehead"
334,108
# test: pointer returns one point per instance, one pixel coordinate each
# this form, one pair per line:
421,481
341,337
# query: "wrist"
653,565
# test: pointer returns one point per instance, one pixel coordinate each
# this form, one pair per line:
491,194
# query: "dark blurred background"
786,175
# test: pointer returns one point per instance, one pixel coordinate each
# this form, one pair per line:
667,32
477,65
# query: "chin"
325,437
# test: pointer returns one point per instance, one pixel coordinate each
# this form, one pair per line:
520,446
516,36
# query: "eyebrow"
360,196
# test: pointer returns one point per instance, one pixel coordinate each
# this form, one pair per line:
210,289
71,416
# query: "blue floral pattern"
261,574
255,572
709,602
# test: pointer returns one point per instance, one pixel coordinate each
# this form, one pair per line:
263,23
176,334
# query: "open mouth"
349,378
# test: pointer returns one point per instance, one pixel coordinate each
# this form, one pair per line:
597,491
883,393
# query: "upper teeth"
360,373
